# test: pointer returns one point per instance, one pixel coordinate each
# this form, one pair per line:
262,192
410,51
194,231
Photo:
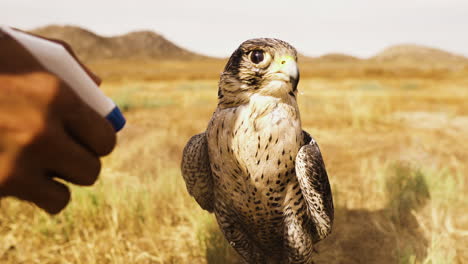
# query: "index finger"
83,123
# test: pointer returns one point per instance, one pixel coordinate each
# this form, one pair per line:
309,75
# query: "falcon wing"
197,172
313,181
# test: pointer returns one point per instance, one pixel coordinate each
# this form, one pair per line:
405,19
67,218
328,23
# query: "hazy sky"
357,27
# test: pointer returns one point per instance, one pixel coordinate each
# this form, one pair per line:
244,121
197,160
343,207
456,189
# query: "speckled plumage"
254,167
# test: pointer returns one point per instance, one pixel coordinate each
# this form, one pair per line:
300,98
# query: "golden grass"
395,150
210,68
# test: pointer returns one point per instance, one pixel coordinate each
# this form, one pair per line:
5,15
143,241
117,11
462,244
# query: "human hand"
46,133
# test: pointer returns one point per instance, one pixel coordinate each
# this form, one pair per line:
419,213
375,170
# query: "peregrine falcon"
254,167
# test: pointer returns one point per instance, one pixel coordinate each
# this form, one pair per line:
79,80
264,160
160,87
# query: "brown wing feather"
313,180
197,172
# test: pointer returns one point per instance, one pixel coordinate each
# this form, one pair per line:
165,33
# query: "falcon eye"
256,56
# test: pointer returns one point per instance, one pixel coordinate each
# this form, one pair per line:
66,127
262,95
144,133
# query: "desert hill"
336,58
410,53
135,45
150,45
148,55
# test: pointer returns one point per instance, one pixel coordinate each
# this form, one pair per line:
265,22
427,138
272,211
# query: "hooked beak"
287,66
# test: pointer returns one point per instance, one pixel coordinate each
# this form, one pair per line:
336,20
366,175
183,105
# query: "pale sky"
213,27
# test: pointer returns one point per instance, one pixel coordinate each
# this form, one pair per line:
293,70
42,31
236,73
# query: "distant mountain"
336,58
409,53
148,45
135,45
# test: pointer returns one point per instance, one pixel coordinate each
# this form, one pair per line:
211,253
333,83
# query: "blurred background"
384,90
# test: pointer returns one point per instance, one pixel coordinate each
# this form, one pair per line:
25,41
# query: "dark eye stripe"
256,56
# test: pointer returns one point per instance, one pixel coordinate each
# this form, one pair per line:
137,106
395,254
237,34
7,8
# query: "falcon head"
265,66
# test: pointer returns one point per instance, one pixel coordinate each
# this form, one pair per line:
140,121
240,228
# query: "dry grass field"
396,150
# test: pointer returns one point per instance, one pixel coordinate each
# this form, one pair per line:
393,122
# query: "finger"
84,124
52,196
65,157
45,192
